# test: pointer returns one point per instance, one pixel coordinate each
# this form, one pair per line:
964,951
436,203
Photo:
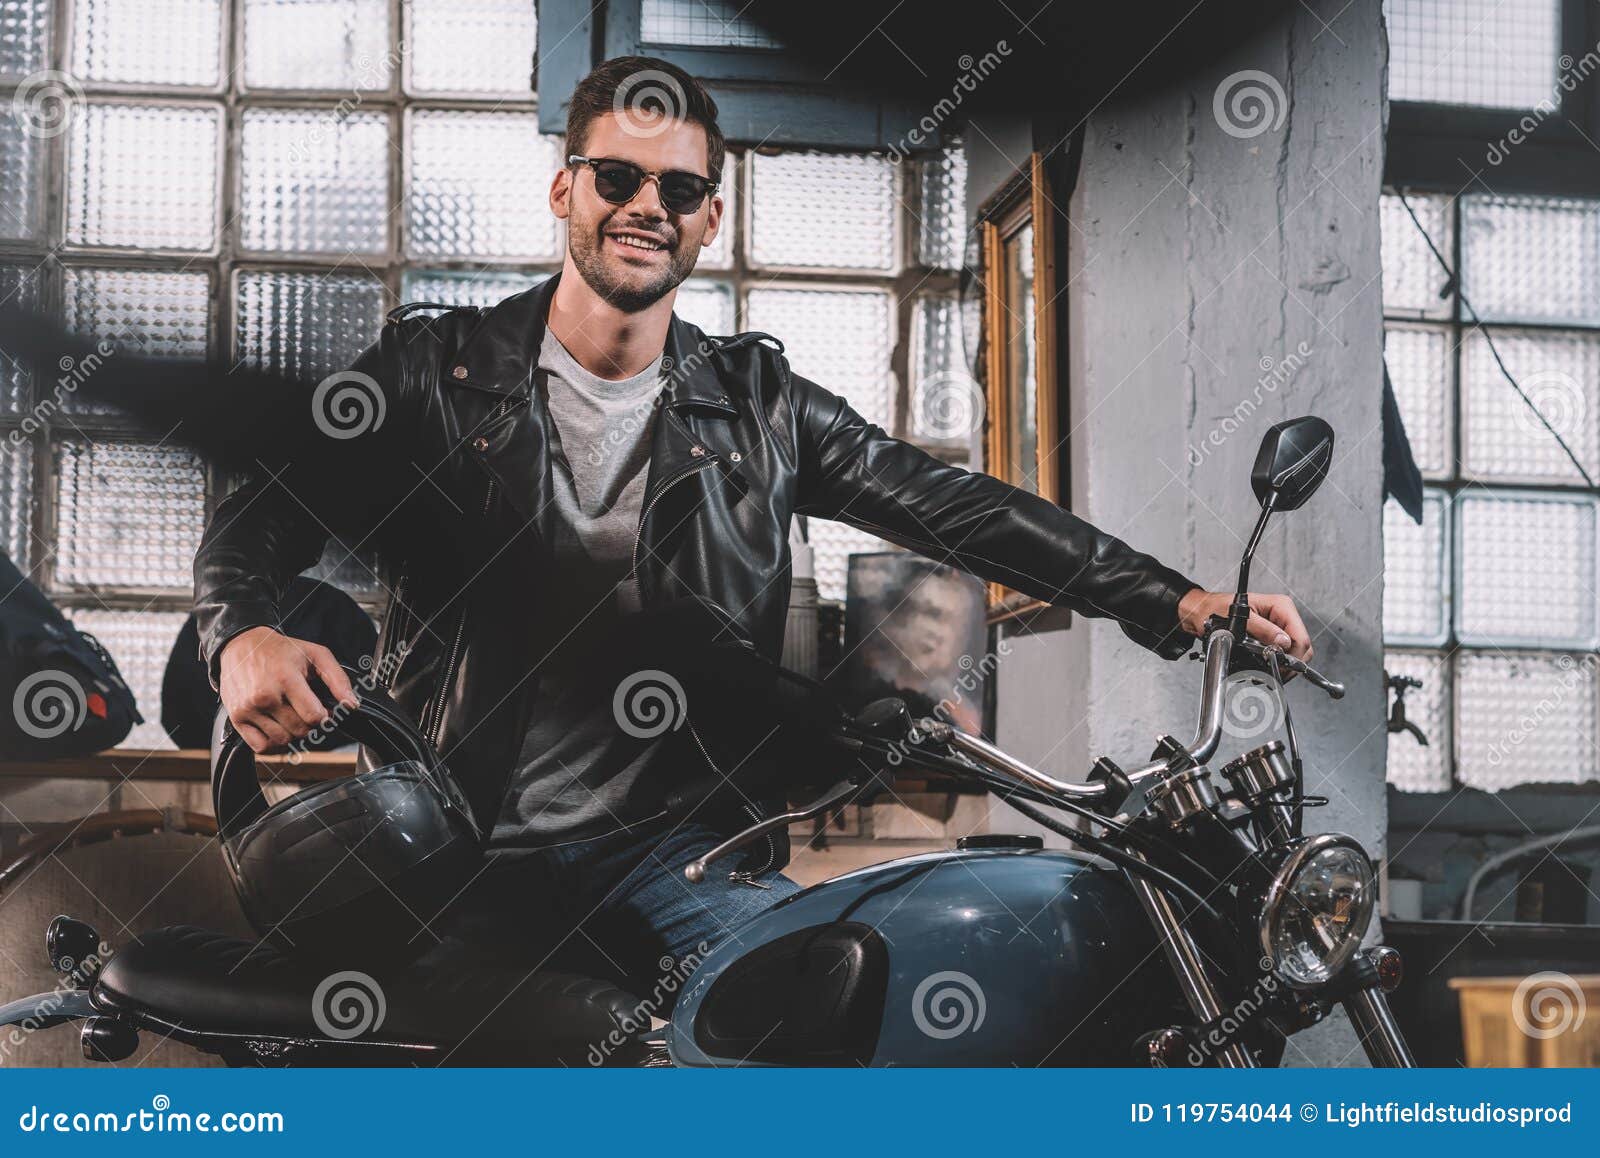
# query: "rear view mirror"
1292,462
1290,466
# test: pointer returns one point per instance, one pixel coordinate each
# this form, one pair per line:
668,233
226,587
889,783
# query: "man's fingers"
1267,631
333,676
253,736
1280,609
275,734
305,704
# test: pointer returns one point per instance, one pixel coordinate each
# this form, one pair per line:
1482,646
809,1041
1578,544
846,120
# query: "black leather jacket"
452,486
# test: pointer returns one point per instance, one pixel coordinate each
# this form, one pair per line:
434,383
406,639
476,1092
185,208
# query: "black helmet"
354,867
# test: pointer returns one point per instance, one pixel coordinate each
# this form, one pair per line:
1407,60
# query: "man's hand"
266,690
1273,619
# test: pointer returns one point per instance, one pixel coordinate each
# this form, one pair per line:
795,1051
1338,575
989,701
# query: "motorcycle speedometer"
1317,908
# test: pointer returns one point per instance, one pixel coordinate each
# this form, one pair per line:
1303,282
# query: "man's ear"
561,193
713,221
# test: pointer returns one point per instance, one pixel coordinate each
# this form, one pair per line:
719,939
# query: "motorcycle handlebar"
1208,734
1207,737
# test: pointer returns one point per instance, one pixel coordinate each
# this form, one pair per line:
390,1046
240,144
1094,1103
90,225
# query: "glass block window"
314,181
318,44
1492,602
707,304
20,169
458,288
141,643
159,313
148,41
24,36
859,191
303,324
470,46
1414,767
16,501
128,514
1487,53
477,186
19,286
700,24
257,181
144,176
838,337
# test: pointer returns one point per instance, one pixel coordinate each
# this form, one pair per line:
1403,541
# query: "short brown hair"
645,84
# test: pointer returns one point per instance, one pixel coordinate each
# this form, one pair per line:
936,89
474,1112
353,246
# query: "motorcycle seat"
208,988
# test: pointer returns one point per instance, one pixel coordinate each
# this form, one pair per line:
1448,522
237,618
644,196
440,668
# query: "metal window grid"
50,261
1443,660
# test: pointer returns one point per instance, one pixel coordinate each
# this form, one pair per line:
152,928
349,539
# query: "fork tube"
1380,1034
1187,965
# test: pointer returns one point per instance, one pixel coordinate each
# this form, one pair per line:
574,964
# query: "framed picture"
1022,439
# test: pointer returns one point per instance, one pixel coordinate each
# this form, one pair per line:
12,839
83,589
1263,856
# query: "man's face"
633,255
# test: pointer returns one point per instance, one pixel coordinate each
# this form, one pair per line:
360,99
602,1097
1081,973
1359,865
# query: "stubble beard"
587,255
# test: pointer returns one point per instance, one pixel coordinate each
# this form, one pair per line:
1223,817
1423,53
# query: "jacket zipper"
461,630
744,876
396,635
638,540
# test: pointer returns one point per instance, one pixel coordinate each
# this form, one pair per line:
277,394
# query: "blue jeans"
617,907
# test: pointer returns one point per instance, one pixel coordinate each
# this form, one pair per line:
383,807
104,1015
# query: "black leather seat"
213,990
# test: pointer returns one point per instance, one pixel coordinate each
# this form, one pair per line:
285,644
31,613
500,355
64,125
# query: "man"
546,473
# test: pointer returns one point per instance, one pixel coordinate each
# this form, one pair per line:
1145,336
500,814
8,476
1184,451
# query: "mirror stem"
1239,611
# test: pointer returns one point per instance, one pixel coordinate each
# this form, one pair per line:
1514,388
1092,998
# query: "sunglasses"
620,181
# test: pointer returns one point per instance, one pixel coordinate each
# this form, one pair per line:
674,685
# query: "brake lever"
1268,653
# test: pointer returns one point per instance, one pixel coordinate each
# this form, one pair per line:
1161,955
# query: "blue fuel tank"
999,956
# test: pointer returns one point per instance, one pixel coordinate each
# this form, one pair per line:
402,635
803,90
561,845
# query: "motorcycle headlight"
1317,909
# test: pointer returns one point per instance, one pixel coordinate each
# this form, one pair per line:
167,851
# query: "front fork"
1367,1006
1368,1010
1188,966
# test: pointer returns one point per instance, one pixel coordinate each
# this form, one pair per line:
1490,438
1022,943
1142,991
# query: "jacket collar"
502,350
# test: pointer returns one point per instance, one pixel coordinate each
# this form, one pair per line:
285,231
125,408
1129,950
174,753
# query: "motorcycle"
1195,925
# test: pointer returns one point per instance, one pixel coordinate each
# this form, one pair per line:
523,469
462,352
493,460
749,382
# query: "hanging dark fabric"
1402,481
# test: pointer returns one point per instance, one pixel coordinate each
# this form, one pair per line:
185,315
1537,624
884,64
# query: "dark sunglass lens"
616,181
682,192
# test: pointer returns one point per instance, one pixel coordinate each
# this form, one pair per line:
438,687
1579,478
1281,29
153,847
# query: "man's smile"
637,241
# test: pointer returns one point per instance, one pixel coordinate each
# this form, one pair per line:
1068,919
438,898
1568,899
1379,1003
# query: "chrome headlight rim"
1299,856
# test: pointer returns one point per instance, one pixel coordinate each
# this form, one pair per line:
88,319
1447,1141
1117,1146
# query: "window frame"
1443,150
45,258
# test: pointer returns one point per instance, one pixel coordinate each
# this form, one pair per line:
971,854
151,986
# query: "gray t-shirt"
578,770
